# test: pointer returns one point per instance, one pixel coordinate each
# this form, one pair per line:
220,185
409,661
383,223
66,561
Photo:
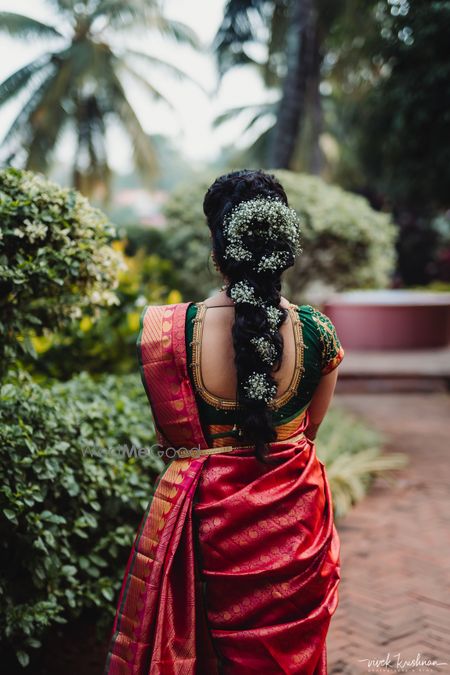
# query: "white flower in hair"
242,291
265,349
237,252
259,388
275,261
281,225
274,316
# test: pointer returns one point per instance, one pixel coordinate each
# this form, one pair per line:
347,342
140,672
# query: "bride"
235,568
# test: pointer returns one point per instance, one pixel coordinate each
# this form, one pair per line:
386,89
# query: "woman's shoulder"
319,328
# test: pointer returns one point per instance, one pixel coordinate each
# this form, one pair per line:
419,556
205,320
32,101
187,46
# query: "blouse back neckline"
230,404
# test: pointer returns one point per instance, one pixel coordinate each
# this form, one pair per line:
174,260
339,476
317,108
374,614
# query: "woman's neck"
221,299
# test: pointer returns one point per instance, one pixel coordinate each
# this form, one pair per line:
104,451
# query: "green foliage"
352,453
54,259
106,342
68,517
405,137
346,243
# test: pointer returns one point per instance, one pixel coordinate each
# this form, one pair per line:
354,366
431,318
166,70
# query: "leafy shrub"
352,452
106,342
67,517
54,258
346,244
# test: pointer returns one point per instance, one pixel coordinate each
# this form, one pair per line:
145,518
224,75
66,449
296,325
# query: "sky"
191,125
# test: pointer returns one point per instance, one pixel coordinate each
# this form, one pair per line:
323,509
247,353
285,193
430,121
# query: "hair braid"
255,237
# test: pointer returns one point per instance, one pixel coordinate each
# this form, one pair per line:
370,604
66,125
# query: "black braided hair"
254,416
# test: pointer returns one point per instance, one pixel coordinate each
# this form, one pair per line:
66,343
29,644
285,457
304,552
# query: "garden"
362,152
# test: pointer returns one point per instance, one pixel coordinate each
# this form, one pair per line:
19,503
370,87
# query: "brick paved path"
395,544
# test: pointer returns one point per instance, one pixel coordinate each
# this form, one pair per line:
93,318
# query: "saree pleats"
270,559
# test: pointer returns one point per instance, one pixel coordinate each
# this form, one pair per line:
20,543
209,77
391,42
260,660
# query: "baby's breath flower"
274,316
237,252
278,260
258,387
265,349
242,291
280,224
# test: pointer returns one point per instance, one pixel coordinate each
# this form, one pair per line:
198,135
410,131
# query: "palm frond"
259,110
229,115
19,129
146,15
18,25
21,78
161,64
176,30
40,122
256,152
48,118
143,150
350,475
120,14
237,28
152,90
62,5
265,111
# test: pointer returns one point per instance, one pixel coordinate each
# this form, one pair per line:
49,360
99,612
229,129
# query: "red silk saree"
235,567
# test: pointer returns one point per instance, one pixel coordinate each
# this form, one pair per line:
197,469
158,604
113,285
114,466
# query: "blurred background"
115,117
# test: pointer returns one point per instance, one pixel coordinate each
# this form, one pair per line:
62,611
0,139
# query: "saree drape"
235,567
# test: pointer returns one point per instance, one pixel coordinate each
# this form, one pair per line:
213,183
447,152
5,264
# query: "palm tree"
80,85
297,35
300,59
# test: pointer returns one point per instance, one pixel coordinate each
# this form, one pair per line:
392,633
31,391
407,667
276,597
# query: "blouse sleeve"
331,348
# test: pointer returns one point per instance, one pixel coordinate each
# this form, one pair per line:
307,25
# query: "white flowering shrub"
54,258
346,244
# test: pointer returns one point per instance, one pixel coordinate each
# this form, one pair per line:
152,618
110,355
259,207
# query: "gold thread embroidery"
331,345
229,404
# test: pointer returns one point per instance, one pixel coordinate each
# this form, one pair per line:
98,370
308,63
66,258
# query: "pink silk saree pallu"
235,567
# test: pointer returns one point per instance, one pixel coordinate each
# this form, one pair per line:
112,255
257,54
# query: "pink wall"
390,326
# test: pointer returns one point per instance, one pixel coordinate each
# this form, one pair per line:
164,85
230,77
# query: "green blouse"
322,352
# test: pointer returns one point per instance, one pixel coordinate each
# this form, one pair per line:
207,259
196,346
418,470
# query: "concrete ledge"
434,363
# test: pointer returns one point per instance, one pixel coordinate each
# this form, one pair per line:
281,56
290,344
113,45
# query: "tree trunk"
300,66
316,156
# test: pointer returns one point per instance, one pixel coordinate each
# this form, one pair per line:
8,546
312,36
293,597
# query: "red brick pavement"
395,544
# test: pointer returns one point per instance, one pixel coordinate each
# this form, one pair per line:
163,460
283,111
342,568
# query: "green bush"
353,455
54,259
68,517
106,343
346,244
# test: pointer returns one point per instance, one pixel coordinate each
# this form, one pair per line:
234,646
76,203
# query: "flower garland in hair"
278,228
258,386
242,291
281,227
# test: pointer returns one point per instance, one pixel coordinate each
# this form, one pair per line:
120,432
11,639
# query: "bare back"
217,353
